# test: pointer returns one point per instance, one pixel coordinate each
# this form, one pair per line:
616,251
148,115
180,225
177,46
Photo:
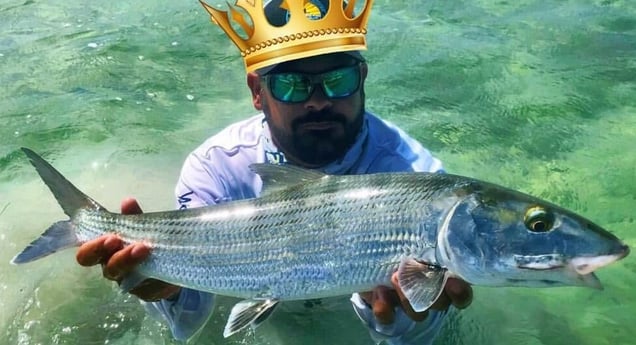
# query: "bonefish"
311,235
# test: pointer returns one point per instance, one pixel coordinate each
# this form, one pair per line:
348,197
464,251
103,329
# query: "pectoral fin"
248,312
421,283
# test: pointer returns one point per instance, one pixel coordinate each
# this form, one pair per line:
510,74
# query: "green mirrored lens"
341,83
290,87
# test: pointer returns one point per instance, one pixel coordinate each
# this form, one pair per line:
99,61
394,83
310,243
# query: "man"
314,116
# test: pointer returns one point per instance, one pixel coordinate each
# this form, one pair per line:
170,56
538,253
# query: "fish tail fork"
57,237
60,235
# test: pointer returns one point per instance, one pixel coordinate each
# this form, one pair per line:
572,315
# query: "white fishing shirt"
218,171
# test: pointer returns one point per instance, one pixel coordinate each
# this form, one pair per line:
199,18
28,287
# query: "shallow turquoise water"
535,95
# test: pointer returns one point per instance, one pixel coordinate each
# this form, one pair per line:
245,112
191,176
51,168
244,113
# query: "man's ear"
254,83
364,69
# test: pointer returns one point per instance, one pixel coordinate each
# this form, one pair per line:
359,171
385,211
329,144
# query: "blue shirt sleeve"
186,315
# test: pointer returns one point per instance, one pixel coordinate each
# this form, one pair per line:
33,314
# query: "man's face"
318,130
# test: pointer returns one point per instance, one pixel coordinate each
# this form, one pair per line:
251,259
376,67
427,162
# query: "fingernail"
139,251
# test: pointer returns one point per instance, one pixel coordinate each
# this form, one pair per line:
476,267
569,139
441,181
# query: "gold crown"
304,34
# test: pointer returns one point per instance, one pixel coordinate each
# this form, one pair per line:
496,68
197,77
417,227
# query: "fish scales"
330,232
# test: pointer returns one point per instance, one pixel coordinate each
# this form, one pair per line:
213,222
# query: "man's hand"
118,260
383,300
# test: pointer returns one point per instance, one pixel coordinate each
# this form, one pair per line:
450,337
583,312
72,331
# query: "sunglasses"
298,87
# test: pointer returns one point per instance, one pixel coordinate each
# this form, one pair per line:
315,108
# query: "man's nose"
318,100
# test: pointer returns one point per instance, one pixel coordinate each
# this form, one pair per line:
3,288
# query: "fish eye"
538,219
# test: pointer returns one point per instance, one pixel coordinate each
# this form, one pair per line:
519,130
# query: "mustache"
319,116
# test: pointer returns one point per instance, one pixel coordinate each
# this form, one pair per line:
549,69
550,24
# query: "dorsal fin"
278,176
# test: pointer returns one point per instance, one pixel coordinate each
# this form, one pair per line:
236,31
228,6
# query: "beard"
310,146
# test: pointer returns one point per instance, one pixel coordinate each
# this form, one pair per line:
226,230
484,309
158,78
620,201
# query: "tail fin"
57,237
68,196
60,235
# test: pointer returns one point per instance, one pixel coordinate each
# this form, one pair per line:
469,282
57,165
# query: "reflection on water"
535,95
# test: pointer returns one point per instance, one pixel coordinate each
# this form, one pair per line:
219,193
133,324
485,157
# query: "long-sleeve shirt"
218,171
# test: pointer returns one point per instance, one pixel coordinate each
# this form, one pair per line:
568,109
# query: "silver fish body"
312,235
330,236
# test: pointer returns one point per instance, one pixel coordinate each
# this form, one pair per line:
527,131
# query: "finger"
404,302
442,302
98,250
130,206
459,292
367,297
125,260
384,300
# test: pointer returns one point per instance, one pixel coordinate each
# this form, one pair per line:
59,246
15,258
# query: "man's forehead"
316,64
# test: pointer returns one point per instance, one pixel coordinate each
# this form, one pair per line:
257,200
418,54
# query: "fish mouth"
587,264
578,270
584,267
